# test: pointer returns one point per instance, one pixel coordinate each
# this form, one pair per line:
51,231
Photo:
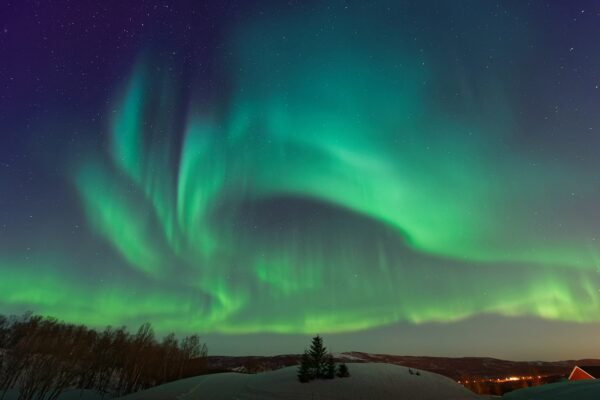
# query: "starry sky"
407,177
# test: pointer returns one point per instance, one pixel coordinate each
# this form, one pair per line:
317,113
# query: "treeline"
41,357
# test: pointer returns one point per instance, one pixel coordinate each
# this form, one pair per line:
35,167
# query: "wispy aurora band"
330,194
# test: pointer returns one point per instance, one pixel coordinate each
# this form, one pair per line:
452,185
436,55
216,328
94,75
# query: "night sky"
402,177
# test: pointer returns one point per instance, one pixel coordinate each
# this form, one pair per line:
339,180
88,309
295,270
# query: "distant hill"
454,368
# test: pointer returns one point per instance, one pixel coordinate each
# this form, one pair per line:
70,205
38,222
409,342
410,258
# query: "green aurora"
335,187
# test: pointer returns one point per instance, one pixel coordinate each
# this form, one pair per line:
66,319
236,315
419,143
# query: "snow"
349,356
374,381
573,390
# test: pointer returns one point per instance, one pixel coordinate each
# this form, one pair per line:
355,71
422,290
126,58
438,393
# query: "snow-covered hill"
371,381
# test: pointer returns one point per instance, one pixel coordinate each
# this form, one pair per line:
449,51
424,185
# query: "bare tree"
41,357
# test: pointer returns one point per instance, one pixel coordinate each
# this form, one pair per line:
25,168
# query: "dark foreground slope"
577,390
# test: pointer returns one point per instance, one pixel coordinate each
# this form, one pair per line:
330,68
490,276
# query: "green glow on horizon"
331,196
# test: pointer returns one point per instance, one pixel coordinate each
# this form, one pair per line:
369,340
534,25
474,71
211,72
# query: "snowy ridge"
374,381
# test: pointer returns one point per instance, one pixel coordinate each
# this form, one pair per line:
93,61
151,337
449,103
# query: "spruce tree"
305,368
329,367
343,371
317,354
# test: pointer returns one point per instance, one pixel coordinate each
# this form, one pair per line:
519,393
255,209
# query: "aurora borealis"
300,168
